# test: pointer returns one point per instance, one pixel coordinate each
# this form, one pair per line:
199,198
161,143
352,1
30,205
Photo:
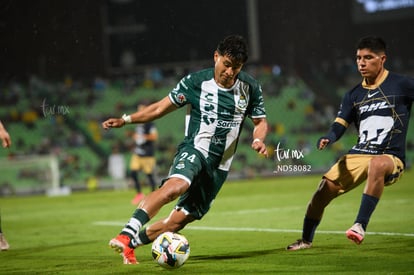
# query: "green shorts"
204,178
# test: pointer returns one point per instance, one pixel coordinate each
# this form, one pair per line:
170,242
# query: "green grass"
245,232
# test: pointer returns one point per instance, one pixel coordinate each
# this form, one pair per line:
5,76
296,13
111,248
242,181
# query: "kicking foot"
120,244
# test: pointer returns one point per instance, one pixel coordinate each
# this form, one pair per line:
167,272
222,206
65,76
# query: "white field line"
256,211
253,229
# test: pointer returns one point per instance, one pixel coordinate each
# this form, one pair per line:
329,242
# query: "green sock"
141,216
143,237
138,219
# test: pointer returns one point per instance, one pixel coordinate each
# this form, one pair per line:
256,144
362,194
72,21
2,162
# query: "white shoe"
299,244
4,245
356,233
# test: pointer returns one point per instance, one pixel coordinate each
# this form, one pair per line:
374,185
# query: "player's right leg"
122,244
126,241
356,233
383,170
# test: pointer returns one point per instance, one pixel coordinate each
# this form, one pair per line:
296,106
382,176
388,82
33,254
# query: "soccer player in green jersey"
379,107
218,99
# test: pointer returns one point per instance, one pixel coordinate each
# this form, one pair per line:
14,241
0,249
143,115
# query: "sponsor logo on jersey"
180,165
209,97
180,98
371,95
374,107
208,107
227,124
208,120
216,140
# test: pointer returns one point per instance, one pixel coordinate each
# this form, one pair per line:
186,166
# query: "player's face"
370,64
225,70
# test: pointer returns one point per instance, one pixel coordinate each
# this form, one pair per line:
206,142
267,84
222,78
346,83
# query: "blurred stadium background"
67,66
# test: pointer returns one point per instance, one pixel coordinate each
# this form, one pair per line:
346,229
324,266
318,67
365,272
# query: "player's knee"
327,186
327,191
377,162
173,188
380,165
167,194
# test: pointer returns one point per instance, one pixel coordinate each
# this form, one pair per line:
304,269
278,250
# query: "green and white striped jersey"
216,115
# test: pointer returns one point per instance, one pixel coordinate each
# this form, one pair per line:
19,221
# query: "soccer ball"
170,250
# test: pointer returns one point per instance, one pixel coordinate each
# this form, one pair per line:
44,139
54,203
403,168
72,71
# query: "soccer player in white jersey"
380,108
219,100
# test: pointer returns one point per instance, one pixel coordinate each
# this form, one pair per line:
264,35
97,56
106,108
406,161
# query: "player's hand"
5,137
113,123
322,143
6,141
259,147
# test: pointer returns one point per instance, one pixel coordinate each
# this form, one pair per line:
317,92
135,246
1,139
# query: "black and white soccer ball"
170,250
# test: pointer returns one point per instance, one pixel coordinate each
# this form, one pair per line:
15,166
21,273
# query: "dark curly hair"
235,47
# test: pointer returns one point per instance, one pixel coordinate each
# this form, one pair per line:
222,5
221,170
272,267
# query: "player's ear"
216,56
383,58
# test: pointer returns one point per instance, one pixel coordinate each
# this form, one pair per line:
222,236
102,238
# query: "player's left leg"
176,221
326,192
380,168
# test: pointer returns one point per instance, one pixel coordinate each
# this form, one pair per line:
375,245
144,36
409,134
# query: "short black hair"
235,47
374,43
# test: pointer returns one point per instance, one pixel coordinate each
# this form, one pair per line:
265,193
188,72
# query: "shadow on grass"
46,247
238,255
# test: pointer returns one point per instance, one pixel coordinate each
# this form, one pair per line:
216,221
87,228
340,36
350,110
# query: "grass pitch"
246,232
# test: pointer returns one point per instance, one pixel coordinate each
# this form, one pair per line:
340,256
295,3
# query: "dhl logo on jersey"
374,106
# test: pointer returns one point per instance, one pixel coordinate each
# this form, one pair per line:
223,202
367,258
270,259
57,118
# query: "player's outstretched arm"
335,132
149,113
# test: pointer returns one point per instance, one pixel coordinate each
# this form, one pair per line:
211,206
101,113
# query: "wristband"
127,118
256,140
